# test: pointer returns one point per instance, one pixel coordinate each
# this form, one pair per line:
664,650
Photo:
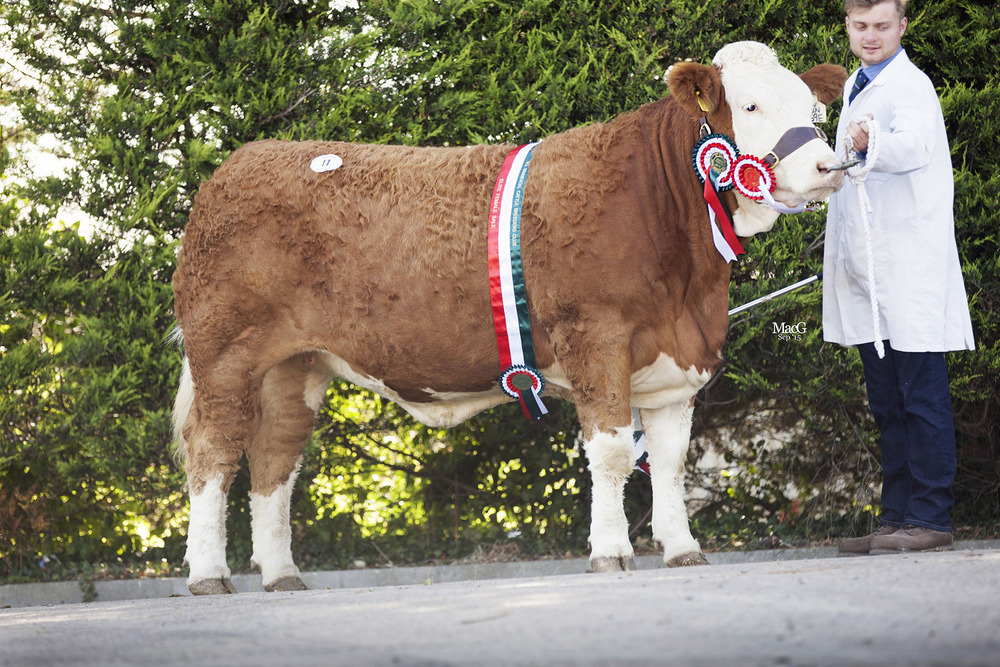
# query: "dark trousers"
909,398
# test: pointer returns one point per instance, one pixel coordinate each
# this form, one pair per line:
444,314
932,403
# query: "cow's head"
750,96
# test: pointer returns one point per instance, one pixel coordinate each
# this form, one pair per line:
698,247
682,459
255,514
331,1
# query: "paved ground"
67,592
926,609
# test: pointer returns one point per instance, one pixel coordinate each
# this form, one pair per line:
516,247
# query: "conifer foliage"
140,101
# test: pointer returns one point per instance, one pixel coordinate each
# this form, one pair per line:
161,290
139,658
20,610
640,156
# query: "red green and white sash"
508,298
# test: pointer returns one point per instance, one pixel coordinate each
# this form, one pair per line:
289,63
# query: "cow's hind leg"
668,432
290,396
213,429
206,544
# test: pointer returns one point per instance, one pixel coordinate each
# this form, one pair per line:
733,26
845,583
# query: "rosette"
753,177
518,379
525,384
719,153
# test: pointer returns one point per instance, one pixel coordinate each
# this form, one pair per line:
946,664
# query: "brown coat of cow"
287,277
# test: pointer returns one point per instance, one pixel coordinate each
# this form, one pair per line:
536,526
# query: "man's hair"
851,5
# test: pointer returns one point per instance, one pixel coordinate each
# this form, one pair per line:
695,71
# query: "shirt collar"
872,71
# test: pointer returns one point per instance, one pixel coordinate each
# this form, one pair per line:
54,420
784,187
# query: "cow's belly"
444,410
661,383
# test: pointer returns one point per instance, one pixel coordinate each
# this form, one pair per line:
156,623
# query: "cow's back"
267,187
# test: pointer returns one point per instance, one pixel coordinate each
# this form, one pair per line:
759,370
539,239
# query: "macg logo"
785,331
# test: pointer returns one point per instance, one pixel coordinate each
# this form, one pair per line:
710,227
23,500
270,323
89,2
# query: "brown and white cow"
377,272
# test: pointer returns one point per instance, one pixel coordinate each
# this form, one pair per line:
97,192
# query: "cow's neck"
628,189
669,134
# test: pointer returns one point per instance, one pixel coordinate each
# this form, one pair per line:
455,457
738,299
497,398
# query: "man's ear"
826,81
697,87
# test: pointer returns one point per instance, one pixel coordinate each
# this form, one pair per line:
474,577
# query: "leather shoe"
861,546
912,538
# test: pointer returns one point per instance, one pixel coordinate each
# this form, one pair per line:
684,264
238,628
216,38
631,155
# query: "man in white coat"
892,281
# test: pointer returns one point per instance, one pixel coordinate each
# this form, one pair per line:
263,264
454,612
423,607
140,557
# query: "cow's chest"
661,383
664,382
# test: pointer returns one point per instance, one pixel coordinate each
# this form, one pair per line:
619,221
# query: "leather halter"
793,139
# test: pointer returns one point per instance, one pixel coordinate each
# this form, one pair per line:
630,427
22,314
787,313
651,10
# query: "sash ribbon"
508,298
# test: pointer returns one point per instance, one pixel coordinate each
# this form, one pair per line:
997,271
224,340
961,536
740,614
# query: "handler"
919,300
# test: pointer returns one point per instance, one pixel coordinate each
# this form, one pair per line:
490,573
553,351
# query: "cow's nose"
829,165
828,169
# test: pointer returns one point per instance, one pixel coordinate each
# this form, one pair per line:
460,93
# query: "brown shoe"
861,546
912,538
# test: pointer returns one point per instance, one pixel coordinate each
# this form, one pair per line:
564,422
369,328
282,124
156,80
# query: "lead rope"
858,174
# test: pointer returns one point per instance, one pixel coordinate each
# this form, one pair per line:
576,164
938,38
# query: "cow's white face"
766,100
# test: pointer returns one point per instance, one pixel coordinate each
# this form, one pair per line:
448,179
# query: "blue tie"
859,83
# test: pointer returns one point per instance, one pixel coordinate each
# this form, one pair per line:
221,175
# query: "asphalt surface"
920,609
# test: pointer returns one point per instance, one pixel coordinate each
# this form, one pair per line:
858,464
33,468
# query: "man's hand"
857,130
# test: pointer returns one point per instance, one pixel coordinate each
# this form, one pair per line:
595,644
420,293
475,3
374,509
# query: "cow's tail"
183,402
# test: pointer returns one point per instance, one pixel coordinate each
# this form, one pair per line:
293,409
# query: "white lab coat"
918,278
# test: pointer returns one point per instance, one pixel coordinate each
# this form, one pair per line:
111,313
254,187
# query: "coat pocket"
855,250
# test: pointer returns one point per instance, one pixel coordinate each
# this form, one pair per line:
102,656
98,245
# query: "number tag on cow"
326,163
818,111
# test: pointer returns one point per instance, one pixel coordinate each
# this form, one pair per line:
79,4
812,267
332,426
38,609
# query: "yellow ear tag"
701,102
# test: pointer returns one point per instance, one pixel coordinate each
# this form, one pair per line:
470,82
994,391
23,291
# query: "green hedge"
148,102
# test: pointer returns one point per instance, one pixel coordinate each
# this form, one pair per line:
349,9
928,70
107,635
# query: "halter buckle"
704,129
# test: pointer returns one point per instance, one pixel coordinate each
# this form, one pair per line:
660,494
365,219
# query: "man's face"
875,32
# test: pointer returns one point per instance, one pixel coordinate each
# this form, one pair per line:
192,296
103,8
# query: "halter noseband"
793,139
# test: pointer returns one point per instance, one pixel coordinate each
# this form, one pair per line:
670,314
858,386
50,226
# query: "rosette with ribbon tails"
715,158
525,384
508,297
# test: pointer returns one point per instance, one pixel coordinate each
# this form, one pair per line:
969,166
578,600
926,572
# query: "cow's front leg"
598,371
610,460
668,432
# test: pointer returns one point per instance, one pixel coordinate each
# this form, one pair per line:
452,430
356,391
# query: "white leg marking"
668,432
206,542
270,525
610,462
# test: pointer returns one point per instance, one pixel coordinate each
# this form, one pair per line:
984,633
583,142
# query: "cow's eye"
750,108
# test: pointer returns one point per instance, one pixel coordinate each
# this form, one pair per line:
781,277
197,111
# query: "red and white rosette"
753,177
716,152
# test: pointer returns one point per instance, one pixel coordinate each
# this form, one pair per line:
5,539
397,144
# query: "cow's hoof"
211,587
687,560
286,584
619,564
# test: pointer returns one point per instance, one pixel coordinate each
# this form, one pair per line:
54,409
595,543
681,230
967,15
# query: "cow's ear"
827,81
697,87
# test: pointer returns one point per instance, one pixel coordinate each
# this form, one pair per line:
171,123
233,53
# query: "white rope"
858,174
781,208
